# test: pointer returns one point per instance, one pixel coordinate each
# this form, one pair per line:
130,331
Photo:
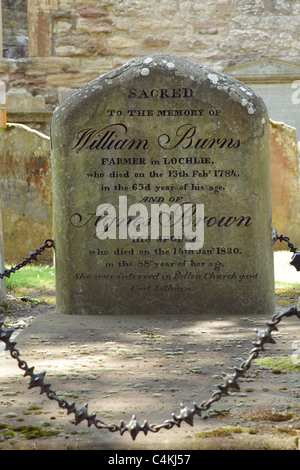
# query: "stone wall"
74,41
14,28
219,32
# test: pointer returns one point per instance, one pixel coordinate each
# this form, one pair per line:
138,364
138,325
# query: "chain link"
48,243
295,261
291,246
230,382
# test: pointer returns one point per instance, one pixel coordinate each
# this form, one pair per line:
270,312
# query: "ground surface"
122,366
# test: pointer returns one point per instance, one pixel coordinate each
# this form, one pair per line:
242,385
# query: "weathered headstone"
25,191
285,183
136,156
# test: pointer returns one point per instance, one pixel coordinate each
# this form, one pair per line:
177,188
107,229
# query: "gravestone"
285,182
161,192
25,191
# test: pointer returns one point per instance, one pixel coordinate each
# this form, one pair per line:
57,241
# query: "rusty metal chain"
49,243
186,414
295,261
291,246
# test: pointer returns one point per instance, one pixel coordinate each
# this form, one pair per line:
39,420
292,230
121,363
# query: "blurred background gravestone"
285,182
26,192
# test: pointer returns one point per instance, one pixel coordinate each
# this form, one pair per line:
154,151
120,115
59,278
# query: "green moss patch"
222,432
278,363
287,290
29,432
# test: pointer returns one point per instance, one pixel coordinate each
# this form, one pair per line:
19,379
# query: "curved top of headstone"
148,69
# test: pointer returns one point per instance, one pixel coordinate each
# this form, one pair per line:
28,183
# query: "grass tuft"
34,277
